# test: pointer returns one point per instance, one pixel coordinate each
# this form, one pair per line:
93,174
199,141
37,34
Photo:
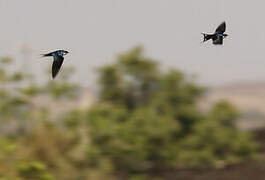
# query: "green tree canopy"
148,119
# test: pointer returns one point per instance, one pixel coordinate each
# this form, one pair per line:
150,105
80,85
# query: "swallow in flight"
218,36
58,57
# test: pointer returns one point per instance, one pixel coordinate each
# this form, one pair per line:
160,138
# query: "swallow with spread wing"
58,57
218,36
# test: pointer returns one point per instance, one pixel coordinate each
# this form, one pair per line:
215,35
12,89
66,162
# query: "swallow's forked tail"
45,55
206,37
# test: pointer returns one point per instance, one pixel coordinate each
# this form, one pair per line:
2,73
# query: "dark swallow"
218,36
57,60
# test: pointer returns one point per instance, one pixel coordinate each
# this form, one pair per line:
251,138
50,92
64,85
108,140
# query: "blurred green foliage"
145,120
149,120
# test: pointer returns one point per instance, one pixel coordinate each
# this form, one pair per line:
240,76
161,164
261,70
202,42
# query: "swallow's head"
62,52
225,35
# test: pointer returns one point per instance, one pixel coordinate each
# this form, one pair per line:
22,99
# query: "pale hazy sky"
94,31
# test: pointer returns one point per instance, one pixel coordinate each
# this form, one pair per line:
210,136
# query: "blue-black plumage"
218,36
58,57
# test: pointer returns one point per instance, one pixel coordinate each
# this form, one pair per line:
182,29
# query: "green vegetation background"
145,120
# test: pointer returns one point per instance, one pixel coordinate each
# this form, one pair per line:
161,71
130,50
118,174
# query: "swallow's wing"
57,63
221,28
218,40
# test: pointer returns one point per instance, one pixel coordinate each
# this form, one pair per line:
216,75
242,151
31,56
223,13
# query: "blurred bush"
145,121
148,120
